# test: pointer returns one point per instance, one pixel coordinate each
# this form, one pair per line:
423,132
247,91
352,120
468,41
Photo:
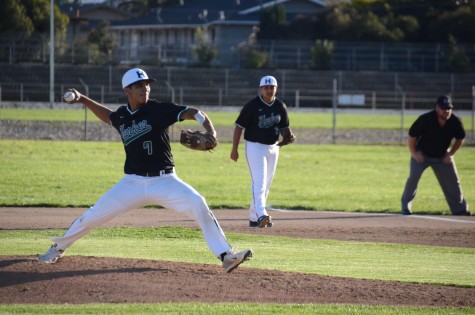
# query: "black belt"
155,173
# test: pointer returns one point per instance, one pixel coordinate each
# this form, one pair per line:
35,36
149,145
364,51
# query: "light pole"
51,55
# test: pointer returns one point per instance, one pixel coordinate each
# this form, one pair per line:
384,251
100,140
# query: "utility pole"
51,55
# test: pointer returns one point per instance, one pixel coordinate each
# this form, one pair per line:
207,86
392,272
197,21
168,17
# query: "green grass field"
298,119
314,177
227,309
317,177
362,260
392,262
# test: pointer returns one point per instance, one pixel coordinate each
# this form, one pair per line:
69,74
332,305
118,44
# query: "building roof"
195,13
94,12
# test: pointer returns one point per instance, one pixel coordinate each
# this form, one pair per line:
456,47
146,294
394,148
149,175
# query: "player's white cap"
268,80
135,75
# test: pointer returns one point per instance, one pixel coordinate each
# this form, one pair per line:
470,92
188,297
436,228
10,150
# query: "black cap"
444,102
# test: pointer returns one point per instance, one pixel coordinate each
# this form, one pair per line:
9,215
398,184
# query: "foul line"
384,214
440,219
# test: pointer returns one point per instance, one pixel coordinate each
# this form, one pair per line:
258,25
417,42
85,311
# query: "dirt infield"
78,279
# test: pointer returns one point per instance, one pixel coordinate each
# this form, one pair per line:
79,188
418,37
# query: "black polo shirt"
432,139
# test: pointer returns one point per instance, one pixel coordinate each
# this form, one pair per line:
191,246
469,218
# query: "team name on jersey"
135,131
266,122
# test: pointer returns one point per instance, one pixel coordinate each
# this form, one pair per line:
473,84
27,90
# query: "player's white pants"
134,191
262,161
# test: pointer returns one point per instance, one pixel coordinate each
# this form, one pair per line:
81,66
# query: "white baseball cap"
268,80
135,75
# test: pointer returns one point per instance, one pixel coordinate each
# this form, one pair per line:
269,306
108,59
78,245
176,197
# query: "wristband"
200,117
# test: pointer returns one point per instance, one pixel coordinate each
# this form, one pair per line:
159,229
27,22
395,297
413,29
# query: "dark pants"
448,179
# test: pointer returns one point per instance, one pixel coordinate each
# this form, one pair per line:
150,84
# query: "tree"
386,20
271,22
249,54
134,7
322,54
356,22
203,52
100,43
458,25
102,38
15,18
409,25
457,58
27,16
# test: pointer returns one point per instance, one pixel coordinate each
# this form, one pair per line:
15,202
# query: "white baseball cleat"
234,258
52,255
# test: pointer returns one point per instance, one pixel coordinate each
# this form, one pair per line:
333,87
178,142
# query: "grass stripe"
364,260
227,309
316,177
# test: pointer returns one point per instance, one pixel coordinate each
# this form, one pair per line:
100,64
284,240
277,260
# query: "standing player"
263,118
430,137
150,176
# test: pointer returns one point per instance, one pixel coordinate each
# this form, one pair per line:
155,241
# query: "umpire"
429,139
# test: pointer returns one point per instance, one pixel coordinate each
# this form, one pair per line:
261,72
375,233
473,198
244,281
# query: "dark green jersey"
144,133
262,122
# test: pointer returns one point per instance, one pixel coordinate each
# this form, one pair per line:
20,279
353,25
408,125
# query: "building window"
156,36
142,38
123,39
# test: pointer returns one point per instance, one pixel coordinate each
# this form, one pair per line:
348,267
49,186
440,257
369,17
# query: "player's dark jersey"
144,134
262,122
432,139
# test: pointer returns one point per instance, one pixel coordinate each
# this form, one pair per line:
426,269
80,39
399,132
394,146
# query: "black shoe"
466,213
263,221
254,224
406,212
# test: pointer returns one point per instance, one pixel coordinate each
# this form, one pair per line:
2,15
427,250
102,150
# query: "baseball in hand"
69,96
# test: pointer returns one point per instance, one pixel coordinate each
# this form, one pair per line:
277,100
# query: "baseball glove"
198,140
287,137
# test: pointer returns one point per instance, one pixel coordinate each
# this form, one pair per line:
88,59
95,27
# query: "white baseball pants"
262,161
134,191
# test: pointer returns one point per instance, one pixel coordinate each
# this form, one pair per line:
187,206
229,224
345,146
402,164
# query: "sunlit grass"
298,119
315,177
364,260
227,309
